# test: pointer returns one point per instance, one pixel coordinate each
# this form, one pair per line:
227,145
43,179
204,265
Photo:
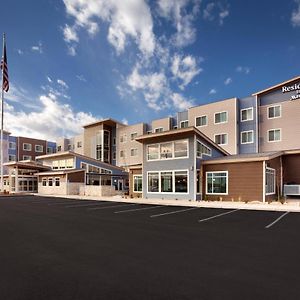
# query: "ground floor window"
270,181
50,181
217,182
57,181
137,183
44,182
168,182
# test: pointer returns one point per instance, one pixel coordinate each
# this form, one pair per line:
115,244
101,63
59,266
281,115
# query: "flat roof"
277,85
26,164
180,131
107,121
59,172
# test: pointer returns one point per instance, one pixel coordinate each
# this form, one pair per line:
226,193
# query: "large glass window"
181,182
201,121
153,182
166,150
270,181
274,111
103,146
221,117
153,152
247,137
137,183
247,114
202,149
274,135
166,182
217,182
181,148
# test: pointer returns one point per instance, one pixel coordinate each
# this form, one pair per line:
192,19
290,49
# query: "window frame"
136,154
44,181
198,117
221,134
183,122
133,187
158,130
28,150
247,131
216,172
201,156
12,143
122,156
29,157
220,112
246,109
57,179
274,141
10,155
274,181
273,106
38,151
134,135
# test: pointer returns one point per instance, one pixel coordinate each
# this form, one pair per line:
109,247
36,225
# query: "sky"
72,62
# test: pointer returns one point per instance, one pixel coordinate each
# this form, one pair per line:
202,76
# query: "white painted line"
84,205
136,209
278,219
69,202
97,208
219,215
174,212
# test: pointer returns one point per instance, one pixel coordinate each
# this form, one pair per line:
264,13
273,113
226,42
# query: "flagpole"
2,106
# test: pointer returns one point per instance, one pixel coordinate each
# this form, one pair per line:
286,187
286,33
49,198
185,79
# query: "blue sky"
72,62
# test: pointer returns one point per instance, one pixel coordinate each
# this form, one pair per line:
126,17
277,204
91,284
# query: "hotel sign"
292,88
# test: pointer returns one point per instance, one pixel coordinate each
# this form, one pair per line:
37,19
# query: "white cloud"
49,79
126,19
295,18
53,119
62,83
215,11
37,48
70,34
185,69
81,78
72,50
180,103
224,13
228,81
125,121
20,52
241,69
212,91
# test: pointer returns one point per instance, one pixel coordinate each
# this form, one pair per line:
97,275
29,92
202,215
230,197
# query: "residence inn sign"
292,88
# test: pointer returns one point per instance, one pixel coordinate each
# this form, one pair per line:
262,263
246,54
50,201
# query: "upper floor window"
274,111
184,124
79,144
221,117
159,129
166,150
274,135
247,114
153,152
247,137
122,138
122,154
26,157
114,140
202,149
49,150
70,147
201,121
27,147
58,148
63,164
133,136
11,157
12,145
133,152
39,148
221,139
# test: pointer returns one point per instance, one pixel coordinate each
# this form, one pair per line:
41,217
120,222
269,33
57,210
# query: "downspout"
257,125
264,181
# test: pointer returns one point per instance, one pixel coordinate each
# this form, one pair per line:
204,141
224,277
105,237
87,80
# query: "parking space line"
219,215
136,209
174,212
85,205
70,202
97,208
278,219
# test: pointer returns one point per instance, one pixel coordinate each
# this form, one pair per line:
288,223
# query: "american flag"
3,66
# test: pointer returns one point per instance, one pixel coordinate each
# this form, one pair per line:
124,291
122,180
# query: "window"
181,148
11,157
221,139
57,181
153,152
175,127
221,117
201,121
184,124
12,145
202,150
270,181
79,144
274,112
247,114
44,182
49,150
166,150
166,182
137,183
159,129
26,157
114,141
114,155
69,147
27,147
274,135
39,148
133,136
50,181
247,137
217,183
123,138
133,152
122,154
153,182
58,148
63,164
181,182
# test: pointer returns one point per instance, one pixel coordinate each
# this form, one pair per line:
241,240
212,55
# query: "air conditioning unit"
292,189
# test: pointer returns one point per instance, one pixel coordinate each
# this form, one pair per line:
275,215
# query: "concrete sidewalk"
291,205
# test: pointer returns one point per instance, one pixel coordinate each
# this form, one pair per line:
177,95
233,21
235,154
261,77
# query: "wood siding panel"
291,168
134,172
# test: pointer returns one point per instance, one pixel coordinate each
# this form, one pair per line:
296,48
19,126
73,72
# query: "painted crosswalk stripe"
278,219
219,215
113,206
174,212
137,209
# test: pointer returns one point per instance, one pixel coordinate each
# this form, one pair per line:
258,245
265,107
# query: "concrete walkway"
290,205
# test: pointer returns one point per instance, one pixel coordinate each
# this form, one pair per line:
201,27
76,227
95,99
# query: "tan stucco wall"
165,123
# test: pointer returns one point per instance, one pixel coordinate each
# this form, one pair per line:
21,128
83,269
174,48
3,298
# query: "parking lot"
55,248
